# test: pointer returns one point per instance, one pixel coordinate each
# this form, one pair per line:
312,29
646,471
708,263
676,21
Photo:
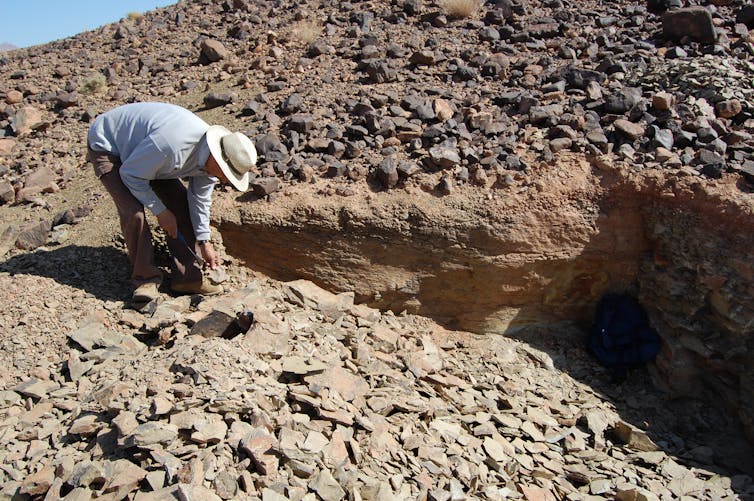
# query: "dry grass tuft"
459,9
306,31
94,84
136,17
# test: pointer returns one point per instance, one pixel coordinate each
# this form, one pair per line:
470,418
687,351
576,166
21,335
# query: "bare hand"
211,258
167,222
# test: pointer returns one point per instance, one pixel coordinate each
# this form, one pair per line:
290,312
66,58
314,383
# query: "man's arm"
199,202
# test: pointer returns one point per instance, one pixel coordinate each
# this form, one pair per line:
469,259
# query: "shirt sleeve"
199,201
141,167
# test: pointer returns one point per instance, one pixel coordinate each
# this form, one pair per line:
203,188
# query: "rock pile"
284,391
322,399
389,93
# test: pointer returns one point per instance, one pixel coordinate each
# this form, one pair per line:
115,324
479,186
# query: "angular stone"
217,324
93,334
495,450
301,122
387,173
7,194
302,366
196,493
125,422
348,385
226,485
260,339
152,433
215,99
13,97
633,437
79,494
622,101
306,293
693,22
292,104
629,129
26,120
33,235
7,145
86,425
319,47
258,446
170,463
39,482
123,475
327,487
214,50
192,472
212,432
156,480
728,108
444,157
265,186
86,473
381,72
536,493
663,101
443,110
36,388
272,495
8,239
218,275
67,99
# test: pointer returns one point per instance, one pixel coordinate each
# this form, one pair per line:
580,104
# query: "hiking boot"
145,293
204,288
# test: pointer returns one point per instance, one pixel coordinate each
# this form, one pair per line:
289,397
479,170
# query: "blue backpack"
621,337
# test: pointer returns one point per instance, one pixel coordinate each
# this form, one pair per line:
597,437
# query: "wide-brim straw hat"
234,153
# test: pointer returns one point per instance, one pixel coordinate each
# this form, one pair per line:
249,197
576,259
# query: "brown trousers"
133,223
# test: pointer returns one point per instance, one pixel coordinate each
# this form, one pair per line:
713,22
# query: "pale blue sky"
33,22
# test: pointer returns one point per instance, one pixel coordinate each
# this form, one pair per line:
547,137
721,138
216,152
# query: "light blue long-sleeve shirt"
159,141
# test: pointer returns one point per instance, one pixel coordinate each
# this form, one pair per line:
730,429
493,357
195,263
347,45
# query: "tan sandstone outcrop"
542,251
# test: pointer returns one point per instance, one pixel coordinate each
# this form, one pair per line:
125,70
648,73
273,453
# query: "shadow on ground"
691,430
99,271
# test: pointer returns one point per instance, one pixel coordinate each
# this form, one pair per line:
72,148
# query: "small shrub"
94,84
459,9
306,31
136,17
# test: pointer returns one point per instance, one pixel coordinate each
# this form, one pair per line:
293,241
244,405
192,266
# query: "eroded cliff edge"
536,253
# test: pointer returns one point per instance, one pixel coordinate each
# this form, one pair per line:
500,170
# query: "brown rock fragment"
694,22
728,108
26,120
7,239
633,437
7,145
42,180
123,476
39,482
663,101
13,97
629,129
214,50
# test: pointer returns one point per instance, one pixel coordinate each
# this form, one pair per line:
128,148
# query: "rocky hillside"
477,166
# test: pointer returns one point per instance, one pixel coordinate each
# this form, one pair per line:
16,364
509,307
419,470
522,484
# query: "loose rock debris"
321,399
324,399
